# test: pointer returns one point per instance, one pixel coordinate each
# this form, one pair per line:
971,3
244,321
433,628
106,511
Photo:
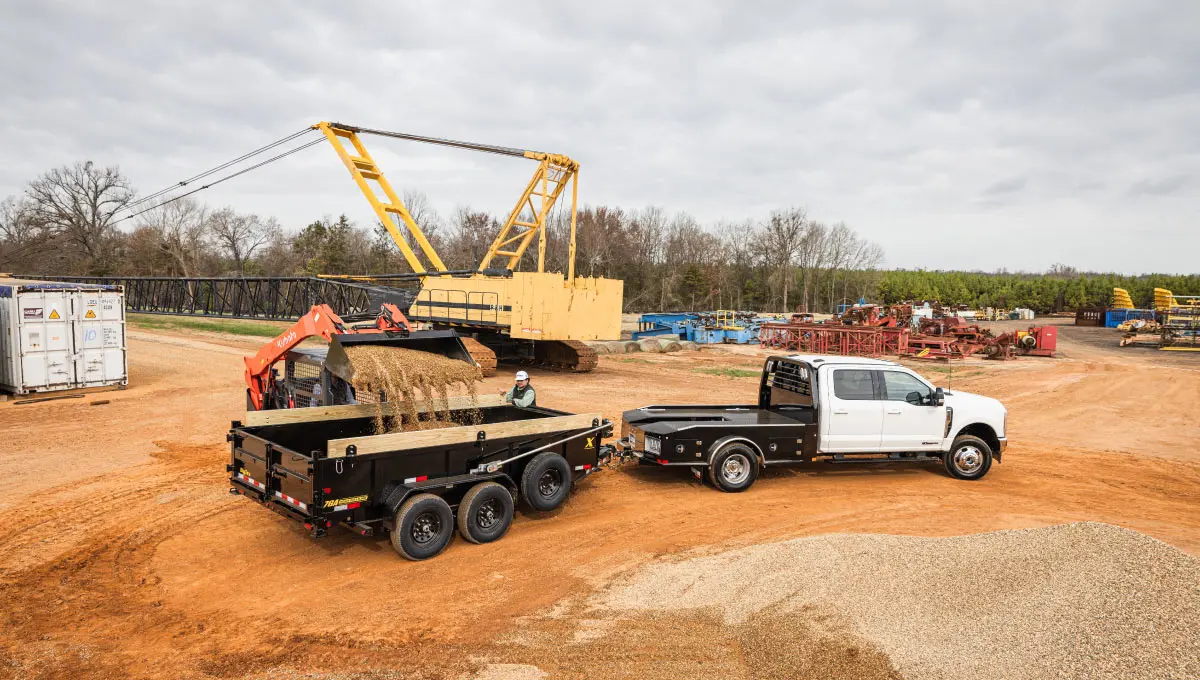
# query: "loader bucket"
445,343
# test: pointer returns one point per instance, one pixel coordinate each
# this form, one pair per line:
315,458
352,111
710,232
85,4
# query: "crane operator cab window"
786,385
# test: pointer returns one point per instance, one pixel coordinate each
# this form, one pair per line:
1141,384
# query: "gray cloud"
889,116
1159,187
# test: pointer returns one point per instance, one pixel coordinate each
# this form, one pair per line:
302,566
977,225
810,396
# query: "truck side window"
853,384
900,385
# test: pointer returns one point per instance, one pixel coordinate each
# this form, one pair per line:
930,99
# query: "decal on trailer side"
345,501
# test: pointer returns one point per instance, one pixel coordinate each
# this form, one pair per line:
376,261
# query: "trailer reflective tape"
414,480
583,467
251,481
291,501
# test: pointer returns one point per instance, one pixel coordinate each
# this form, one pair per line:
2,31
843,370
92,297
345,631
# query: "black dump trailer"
325,467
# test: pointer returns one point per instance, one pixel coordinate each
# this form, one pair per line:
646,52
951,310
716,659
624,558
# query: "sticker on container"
112,336
54,314
35,341
91,314
32,313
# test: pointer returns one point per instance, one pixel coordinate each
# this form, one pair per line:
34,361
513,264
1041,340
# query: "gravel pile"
1073,601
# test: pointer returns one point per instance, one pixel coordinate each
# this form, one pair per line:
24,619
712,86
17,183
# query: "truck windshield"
789,384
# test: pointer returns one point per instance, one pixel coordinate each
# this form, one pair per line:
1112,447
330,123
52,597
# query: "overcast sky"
955,134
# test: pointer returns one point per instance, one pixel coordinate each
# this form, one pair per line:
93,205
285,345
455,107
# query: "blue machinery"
706,328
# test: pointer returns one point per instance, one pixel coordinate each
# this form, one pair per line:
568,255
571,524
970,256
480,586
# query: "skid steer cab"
321,376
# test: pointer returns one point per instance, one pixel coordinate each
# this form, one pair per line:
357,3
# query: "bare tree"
782,238
183,231
79,204
240,235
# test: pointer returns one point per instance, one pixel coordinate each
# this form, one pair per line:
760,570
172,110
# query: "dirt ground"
123,554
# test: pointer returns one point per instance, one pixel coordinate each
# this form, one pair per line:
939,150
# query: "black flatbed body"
688,435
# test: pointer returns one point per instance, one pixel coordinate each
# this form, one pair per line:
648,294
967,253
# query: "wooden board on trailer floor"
460,435
304,415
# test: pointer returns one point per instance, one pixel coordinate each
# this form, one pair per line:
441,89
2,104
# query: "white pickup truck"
817,408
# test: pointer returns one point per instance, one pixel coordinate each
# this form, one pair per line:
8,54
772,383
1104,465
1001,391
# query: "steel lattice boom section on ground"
861,341
274,298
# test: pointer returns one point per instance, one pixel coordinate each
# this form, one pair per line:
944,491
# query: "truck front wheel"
485,513
969,458
424,526
734,468
546,481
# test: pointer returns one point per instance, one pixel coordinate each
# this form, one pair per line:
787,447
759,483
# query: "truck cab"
819,408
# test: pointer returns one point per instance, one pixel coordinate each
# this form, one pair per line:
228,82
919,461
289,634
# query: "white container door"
45,339
99,334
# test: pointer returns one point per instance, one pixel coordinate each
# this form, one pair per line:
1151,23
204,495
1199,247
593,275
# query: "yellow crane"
537,316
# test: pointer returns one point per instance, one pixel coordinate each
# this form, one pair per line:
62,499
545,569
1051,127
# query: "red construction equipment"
389,328
815,338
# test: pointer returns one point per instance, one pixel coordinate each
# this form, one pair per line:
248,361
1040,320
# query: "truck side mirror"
913,398
939,396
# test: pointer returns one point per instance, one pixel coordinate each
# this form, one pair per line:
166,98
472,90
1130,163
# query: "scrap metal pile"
877,330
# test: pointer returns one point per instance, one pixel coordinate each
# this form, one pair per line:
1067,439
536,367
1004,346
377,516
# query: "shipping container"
1116,317
61,336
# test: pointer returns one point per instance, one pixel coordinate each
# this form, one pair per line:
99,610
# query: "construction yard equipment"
322,376
723,326
535,317
1180,320
819,338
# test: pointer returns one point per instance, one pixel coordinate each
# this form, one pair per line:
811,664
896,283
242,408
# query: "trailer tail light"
414,480
308,525
661,461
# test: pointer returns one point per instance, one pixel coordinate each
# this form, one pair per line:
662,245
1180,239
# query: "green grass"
728,372
259,329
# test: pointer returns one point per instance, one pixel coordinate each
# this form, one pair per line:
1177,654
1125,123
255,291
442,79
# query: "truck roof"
818,359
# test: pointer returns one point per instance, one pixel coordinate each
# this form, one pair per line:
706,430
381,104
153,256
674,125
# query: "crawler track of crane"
564,355
482,355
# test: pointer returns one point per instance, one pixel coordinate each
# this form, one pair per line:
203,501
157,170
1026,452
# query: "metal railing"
256,297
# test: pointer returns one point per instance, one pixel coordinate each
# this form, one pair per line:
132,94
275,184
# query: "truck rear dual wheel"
734,468
424,526
485,513
969,458
546,481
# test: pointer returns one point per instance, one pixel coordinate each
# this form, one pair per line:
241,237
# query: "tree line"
85,219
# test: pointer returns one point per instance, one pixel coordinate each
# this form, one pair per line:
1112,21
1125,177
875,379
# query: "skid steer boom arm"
320,321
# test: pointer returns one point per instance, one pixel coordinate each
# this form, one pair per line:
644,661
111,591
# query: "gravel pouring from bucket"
444,343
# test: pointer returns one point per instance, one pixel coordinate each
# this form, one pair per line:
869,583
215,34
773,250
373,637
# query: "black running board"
892,458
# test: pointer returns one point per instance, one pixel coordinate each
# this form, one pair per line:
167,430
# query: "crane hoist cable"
215,182
217,169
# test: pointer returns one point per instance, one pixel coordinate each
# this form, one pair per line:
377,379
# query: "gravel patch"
1082,600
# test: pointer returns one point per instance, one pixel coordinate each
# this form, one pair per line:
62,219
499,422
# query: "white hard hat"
522,375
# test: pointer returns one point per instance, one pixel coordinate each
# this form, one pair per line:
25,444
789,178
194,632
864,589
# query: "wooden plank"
465,434
347,411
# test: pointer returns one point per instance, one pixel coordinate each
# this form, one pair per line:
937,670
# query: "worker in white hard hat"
521,394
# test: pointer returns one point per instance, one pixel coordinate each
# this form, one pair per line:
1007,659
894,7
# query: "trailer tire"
546,481
969,458
485,513
424,526
734,468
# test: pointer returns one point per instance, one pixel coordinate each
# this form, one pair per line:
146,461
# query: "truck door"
854,421
910,421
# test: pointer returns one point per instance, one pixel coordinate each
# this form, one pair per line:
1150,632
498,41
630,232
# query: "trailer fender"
451,489
716,446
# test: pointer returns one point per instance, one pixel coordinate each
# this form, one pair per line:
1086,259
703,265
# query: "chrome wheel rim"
968,460
735,469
